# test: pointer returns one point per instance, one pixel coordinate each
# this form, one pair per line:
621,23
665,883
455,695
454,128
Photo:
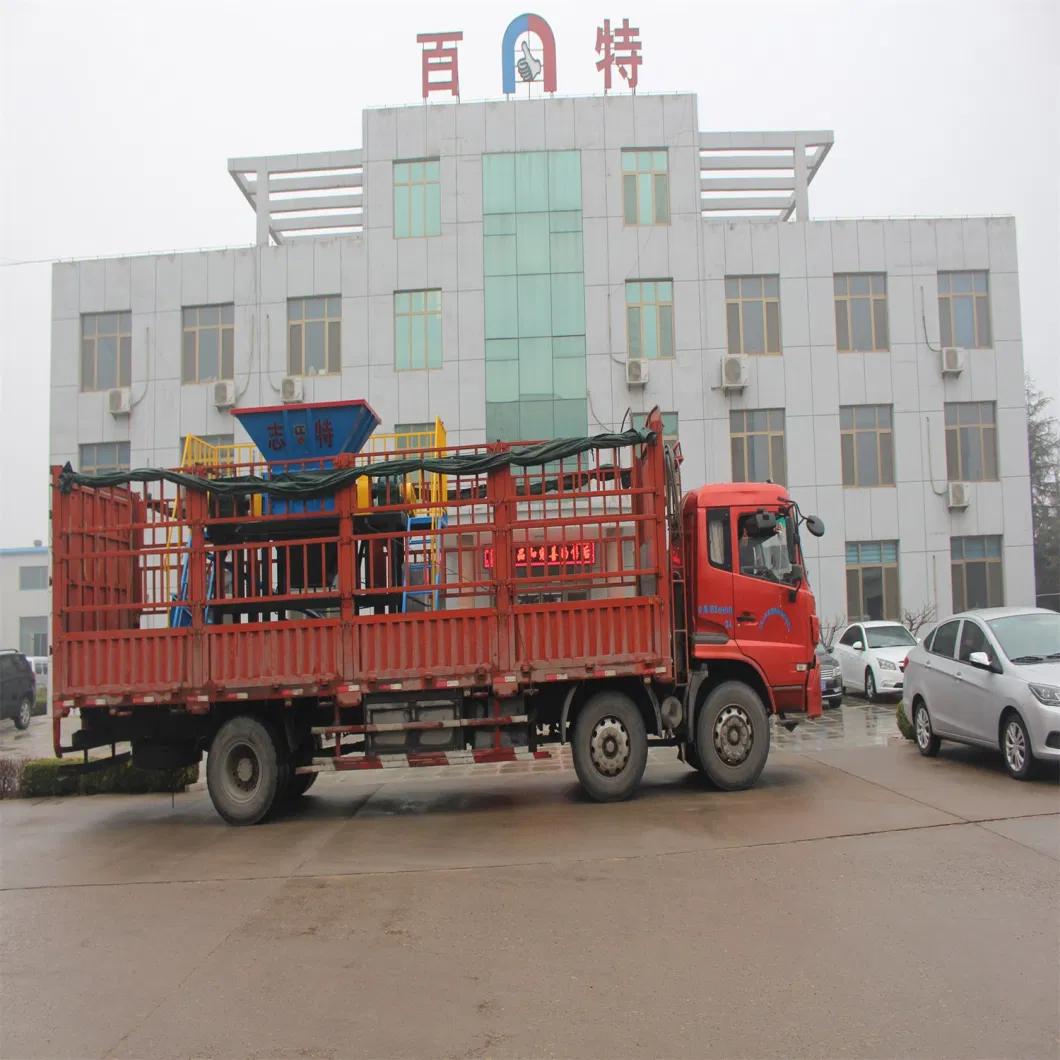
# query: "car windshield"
1032,637
767,553
889,637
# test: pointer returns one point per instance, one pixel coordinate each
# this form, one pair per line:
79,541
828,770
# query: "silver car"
991,678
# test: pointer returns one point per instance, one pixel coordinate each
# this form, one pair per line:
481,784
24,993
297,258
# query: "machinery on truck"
323,603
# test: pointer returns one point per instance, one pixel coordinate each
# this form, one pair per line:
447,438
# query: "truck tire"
692,757
610,747
732,736
300,784
244,772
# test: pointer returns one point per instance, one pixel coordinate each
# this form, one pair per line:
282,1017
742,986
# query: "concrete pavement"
859,902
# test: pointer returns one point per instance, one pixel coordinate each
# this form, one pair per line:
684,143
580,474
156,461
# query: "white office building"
25,599
549,267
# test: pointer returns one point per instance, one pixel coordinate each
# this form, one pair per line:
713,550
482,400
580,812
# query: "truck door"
770,627
714,617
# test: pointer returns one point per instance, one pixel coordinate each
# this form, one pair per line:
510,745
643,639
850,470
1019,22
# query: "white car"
991,678
872,657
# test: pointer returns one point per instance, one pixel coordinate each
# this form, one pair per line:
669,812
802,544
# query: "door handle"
746,617
959,675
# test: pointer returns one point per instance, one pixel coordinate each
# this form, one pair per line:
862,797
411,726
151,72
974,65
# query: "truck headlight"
1047,694
886,664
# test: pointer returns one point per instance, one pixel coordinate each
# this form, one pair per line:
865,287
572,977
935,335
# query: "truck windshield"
767,554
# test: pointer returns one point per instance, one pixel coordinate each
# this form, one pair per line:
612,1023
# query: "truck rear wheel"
610,747
732,736
244,771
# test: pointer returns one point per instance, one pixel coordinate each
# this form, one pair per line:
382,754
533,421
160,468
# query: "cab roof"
723,494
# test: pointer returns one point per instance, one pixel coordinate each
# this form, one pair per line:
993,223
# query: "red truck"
324,607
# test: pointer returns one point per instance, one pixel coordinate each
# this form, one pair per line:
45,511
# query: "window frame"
122,336
33,653
224,328
722,517
95,468
852,432
992,565
736,299
333,365
883,565
422,185
771,433
426,313
878,310
981,313
954,438
660,306
23,569
630,178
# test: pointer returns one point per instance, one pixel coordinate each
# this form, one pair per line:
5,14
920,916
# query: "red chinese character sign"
440,72
621,49
560,553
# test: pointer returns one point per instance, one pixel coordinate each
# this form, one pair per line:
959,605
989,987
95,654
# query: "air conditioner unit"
291,389
960,495
636,373
119,401
952,360
735,372
224,394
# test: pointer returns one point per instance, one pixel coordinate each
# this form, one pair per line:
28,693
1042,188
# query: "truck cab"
750,613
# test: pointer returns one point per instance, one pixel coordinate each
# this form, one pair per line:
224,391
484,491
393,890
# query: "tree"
829,628
1043,444
915,621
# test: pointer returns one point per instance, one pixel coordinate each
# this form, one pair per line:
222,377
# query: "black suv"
18,687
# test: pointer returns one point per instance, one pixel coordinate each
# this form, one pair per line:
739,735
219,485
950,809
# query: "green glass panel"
415,172
419,341
664,291
402,343
565,221
502,381
566,252
644,160
568,376
432,170
498,255
536,420
666,331
434,340
434,299
569,418
417,219
658,160
401,302
531,182
535,307
647,291
564,180
632,292
629,198
633,331
401,173
645,215
568,346
662,199
401,211
531,232
498,224
535,367
629,161
650,332
434,210
416,299
502,307
498,184
568,304
502,421
502,349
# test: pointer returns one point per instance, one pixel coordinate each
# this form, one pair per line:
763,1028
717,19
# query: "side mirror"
858,646
765,521
982,660
815,524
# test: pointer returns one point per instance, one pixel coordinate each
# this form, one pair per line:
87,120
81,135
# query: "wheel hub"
609,747
733,735
1015,747
244,770
923,728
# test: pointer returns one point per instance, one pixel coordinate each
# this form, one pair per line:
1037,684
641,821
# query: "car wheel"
1016,747
610,747
25,712
870,687
732,736
927,743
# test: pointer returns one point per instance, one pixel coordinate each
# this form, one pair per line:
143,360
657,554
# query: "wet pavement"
861,901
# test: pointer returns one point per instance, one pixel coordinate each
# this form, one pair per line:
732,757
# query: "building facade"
551,267
25,600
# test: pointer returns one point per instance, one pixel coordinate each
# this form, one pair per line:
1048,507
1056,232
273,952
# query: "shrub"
41,778
904,725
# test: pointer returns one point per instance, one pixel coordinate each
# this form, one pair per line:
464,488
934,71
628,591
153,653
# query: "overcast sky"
118,118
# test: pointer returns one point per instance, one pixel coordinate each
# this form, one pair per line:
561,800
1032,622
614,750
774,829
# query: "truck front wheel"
610,747
732,736
243,770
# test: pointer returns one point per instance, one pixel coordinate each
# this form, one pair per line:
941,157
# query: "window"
861,312
975,569
719,542
758,452
645,188
971,441
417,199
944,640
97,457
33,578
209,343
973,638
670,429
106,350
765,554
417,330
649,319
964,310
314,336
33,635
866,437
852,637
752,308
872,580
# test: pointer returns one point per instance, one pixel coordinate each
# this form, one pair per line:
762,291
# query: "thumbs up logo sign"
528,66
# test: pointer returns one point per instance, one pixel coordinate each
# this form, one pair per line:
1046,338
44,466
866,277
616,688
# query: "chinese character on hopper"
323,432
620,48
440,60
299,434
277,440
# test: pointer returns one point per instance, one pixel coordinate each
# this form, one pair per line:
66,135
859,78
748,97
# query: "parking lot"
861,901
